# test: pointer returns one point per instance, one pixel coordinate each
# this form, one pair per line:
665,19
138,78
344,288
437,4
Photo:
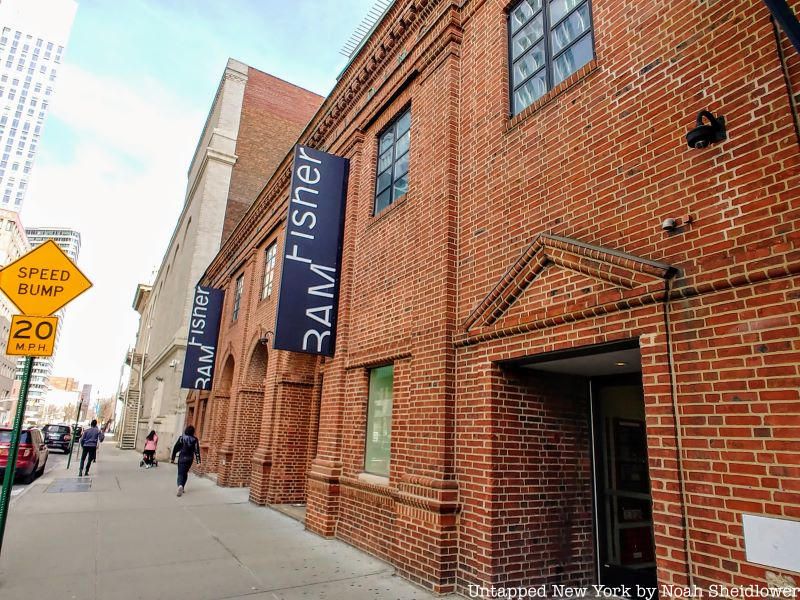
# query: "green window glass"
379,421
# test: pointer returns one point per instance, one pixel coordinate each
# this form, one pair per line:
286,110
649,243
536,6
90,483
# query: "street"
125,535
56,463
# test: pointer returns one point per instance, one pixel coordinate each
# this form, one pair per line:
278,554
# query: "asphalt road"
56,461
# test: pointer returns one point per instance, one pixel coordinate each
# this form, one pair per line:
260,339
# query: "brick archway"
219,402
256,373
226,377
247,406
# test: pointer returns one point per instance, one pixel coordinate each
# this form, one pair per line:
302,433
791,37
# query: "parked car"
57,436
32,456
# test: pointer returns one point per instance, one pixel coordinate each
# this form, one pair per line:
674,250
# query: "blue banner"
201,344
309,293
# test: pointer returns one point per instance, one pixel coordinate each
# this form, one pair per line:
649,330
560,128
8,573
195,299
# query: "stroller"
149,454
149,459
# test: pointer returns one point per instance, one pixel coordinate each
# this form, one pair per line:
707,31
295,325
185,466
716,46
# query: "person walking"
187,448
150,447
90,439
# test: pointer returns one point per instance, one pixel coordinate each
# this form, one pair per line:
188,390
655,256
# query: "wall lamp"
264,338
704,135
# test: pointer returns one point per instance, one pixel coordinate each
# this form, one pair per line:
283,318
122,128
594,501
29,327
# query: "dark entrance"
623,504
624,541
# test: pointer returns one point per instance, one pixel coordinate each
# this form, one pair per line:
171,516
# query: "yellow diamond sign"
43,280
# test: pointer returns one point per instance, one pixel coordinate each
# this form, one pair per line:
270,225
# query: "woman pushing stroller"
149,454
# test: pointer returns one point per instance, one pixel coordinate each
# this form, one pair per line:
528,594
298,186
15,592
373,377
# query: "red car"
32,456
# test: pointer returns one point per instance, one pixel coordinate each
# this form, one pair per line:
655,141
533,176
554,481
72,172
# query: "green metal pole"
74,432
13,450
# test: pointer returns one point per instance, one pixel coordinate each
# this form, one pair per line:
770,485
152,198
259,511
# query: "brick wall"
542,497
600,160
737,370
274,112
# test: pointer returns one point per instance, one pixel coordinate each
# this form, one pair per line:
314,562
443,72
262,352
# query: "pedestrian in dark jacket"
90,439
187,448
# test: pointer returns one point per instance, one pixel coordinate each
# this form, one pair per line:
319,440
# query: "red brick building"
537,380
253,120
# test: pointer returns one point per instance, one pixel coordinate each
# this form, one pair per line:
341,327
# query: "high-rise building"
13,244
70,242
33,34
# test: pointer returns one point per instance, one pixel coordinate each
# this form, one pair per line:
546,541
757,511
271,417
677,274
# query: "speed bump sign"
43,280
32,336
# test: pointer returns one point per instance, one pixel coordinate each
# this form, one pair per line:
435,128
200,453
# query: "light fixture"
264,337
703,135
621,363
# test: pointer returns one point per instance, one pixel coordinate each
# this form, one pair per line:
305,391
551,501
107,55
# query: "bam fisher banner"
309,293
201,345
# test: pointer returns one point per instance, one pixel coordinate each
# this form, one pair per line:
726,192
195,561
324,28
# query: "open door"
623,503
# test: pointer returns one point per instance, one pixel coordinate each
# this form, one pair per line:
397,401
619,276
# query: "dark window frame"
547,40
269,270
378,191
237,297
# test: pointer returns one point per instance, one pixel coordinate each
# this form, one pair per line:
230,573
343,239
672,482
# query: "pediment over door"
557,275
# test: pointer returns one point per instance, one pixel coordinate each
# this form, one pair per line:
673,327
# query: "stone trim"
378,359
618,268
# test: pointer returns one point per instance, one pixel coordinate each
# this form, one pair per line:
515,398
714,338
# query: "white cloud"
122,188
142,121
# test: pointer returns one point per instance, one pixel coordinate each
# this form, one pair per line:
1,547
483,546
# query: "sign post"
38,283
74,431
11,464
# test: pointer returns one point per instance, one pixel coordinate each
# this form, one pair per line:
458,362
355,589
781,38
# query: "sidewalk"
128,536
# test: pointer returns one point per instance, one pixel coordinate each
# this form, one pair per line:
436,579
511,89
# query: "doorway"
623,502
624,547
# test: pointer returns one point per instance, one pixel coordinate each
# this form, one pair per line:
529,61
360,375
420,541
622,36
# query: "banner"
201,344
309,292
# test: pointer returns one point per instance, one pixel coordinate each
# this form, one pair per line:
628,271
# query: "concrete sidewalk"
128,536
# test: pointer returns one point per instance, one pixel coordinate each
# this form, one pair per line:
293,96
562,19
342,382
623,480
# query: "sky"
131,99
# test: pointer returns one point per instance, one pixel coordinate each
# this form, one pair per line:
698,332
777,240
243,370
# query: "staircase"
131,422
130,419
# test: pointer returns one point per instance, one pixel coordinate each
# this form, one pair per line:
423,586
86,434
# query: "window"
379,421
393,152
547,43
269,270
237,296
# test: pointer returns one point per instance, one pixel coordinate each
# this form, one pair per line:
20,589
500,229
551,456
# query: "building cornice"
355,83
228,75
